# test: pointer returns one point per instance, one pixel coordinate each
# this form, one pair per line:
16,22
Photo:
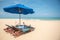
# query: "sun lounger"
18,30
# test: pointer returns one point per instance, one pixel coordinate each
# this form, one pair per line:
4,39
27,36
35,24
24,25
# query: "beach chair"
18,29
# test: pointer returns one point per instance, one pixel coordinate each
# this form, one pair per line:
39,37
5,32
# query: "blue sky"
42,8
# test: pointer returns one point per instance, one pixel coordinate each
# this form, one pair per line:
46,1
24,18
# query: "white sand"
44,29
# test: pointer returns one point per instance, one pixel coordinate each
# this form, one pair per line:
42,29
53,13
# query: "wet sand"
44,29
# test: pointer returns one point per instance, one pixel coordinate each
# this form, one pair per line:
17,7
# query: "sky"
42,8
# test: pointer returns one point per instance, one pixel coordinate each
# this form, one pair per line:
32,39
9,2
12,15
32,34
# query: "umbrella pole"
19,19
19,16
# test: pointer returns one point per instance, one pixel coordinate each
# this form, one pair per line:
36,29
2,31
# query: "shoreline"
37,19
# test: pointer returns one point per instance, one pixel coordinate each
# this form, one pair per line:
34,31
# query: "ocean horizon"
41,18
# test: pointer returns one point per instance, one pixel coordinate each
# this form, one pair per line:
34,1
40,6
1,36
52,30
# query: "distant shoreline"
41,18
31,19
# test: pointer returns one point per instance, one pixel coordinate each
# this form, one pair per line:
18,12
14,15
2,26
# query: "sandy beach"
44,29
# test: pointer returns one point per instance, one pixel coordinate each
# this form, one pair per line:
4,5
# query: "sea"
40,18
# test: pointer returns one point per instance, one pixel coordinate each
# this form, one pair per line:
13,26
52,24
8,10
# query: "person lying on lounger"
24,27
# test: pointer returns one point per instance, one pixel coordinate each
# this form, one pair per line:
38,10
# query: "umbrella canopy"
18,9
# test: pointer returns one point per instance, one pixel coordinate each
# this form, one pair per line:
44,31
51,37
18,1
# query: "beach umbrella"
18,9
